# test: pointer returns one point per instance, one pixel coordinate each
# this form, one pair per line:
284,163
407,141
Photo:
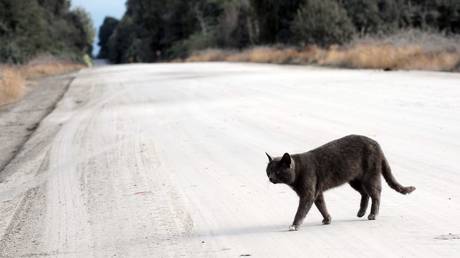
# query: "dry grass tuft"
385,56
13,78
263,54
43,66
408,50
209,55
268,55
12,85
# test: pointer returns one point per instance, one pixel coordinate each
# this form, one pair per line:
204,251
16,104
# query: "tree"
364,14
235,26
390,13
56,7
32,27
153,30
322,22
24,31
105,31
128,43
85,33
274,18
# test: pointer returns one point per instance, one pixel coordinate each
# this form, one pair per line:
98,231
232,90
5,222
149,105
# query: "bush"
196,42
322,22
32,27
10,52
364,15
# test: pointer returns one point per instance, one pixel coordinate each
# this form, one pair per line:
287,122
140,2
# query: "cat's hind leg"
374,187
321,205
357,185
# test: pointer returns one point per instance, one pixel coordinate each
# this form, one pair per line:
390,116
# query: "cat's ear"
286,159
269,158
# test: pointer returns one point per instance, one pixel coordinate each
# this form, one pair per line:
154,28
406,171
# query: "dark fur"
354,159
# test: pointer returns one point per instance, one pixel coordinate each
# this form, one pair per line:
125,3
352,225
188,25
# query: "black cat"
354,159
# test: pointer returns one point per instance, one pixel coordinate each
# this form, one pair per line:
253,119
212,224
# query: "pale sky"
99,9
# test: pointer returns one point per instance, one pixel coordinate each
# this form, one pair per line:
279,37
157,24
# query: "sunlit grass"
400,51
13,78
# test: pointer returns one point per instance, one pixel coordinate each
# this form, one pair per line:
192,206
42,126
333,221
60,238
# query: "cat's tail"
386,172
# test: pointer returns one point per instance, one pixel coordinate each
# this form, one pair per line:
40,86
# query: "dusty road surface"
167,160
19,120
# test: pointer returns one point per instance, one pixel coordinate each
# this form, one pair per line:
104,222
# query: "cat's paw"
371,217
327,221
361,213
293,228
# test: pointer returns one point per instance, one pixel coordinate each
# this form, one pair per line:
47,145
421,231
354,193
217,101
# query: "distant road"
167,160
100,62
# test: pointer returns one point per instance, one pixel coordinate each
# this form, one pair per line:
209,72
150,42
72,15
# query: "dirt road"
167,160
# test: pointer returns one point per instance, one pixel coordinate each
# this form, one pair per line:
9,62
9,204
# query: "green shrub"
32,27
10,52
196,42
322,22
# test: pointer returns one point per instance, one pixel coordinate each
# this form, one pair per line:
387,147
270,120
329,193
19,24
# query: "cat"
354,159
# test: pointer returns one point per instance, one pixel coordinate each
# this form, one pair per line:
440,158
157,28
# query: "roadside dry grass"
12,85
408,50
48,66
384,56
13,79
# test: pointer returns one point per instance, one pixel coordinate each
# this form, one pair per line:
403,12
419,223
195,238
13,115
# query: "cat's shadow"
267,229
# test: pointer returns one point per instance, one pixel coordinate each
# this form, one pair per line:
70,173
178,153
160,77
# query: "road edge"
36,123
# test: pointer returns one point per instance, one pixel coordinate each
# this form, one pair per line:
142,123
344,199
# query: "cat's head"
281,169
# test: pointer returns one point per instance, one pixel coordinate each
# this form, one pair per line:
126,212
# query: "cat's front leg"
305,204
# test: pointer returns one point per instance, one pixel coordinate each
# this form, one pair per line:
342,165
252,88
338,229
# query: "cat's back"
349,144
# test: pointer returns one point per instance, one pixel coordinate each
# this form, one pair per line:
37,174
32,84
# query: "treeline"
33,27
153,30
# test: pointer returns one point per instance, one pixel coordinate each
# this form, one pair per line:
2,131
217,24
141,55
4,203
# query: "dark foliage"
154,30
274,19
106,30
32,27
322,22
